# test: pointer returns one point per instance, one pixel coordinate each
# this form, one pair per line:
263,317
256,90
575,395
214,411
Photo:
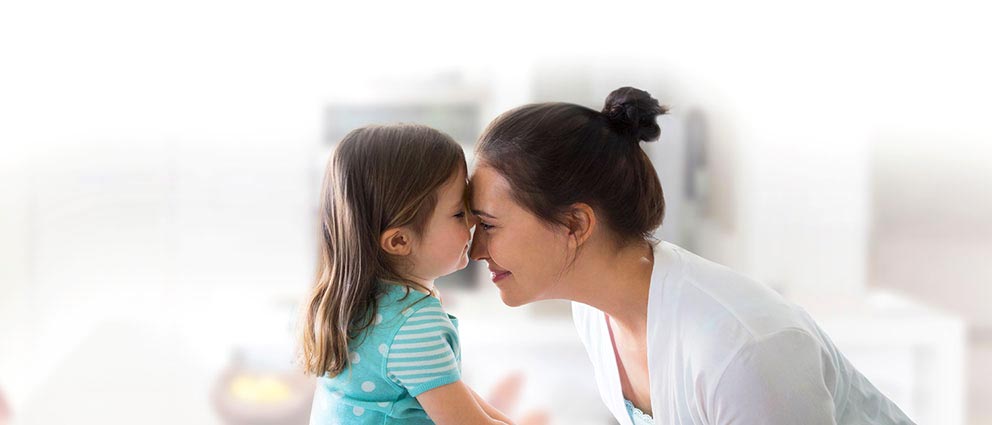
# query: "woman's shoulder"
716,312
708,296
707,315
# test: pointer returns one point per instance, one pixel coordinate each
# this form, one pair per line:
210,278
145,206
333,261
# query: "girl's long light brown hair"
379,177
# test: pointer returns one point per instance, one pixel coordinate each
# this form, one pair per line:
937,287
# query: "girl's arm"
456,404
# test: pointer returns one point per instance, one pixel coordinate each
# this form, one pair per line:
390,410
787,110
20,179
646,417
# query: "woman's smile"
498,276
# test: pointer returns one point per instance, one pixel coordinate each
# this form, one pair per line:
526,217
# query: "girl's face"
442,248
526,256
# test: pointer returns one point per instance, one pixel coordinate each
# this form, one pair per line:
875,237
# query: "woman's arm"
456,404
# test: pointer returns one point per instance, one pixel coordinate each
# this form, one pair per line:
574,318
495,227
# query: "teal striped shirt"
412,348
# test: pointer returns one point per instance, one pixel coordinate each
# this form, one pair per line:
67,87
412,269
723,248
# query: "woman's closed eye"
479,215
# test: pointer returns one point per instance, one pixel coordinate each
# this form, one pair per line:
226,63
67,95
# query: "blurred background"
160,165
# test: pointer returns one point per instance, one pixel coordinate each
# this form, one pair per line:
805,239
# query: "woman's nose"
471,220
478,250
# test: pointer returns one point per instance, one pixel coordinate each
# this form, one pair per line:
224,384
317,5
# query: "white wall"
932,226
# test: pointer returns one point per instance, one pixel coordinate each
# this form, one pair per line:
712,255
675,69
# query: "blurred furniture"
252,392
123,372
913,354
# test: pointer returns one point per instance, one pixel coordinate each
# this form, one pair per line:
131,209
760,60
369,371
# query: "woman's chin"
510,300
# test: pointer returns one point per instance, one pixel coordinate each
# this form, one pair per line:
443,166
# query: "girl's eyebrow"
483,214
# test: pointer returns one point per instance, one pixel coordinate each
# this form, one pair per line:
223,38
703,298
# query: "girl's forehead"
455,187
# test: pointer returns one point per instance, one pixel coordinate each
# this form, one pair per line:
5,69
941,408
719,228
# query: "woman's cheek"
494,246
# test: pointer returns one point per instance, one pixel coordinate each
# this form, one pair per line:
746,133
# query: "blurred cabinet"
911,353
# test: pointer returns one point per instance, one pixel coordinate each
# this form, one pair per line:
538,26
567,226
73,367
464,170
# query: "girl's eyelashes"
461,214
485,226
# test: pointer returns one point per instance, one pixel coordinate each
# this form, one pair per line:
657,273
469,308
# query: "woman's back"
723,349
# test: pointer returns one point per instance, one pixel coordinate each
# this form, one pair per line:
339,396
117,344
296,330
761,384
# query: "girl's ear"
396,241
581,222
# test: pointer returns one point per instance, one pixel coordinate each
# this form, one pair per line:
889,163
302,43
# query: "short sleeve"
423,353
780,379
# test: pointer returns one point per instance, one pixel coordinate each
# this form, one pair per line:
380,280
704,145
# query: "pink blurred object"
506,395
5,413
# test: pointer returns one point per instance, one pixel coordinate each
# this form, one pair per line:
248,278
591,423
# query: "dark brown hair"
557,154
379,177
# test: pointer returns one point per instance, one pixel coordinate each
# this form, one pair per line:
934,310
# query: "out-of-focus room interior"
160,166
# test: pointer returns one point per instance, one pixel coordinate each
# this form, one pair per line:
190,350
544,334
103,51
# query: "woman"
567,201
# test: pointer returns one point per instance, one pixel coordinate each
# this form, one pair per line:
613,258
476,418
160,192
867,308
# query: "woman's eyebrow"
483,214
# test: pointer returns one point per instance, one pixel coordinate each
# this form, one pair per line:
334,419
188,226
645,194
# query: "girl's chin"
460,266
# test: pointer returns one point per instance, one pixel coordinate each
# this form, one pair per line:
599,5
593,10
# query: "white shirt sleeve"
779,379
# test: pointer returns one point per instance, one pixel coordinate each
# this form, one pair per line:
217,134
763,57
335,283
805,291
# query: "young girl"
393,219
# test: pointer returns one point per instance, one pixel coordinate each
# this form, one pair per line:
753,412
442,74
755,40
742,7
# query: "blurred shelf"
913,353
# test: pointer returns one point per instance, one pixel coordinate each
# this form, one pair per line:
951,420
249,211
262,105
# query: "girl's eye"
485,226
460,214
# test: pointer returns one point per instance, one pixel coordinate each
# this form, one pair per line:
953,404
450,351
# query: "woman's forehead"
488,190
488,183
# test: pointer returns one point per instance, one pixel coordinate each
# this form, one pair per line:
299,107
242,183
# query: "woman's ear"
396,241
581,223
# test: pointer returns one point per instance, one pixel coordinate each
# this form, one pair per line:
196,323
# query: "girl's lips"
499,276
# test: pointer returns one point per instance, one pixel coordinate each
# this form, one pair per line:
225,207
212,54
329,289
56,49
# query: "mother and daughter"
564,202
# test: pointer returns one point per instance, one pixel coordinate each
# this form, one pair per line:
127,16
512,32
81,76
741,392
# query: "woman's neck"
615,282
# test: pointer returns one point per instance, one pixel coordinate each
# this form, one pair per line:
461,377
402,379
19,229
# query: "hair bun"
633,112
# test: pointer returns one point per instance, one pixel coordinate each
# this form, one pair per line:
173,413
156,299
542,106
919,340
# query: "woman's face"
526,256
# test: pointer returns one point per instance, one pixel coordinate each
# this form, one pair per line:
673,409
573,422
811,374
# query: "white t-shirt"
724,349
